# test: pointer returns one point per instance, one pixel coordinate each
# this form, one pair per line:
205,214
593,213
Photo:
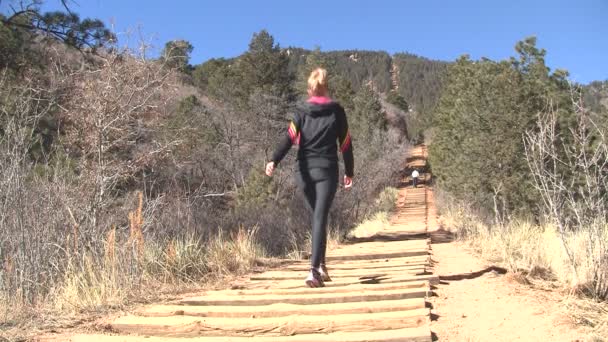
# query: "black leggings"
319,186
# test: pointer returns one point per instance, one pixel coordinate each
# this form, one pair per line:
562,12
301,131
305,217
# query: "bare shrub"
570,171
58,204
22,105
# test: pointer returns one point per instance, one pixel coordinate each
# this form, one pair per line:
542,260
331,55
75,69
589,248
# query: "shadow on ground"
442,236
386,238
473,275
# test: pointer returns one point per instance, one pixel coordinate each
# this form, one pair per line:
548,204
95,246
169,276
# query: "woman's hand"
348,182
269,169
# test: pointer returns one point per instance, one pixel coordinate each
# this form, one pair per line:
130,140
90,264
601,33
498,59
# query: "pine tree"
264,69
176,54
367,115
486,107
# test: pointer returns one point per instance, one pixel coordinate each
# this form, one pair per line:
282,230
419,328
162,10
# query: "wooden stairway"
378,293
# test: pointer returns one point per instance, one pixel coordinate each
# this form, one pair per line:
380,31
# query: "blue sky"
575,32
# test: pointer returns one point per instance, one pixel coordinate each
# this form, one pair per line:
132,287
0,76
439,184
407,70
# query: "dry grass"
385,204
133,269
590,313
371,226
536,255
235,255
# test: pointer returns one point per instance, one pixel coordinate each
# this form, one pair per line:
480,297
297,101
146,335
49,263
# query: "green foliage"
257,190
202,73
21,27
192,125
595,96
66,27
368,115
478,153
340,87
420,81
361,67
313,60
396,99
263,69
342,91
176,54
224,85
12,46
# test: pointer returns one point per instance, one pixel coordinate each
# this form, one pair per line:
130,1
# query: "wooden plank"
274,275
361,265
282,309
188,326
299,283
319,298
383,246
420,334
301,290
379,255
373,262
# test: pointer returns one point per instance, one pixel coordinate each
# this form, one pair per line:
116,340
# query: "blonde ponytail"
317,82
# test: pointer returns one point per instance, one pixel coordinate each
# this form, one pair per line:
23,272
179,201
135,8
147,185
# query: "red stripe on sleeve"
345,144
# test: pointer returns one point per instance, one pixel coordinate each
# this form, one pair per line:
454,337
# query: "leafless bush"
22,105
107,117
57,207
570,170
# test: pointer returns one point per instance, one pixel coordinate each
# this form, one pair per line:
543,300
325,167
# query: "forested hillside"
419,80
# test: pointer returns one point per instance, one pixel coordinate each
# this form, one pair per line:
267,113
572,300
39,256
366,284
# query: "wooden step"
188,326
373,262
419,334
354,267
282,309
329,288
299,283
320,298
275,275
379,255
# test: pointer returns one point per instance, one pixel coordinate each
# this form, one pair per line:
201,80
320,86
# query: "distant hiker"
316,126
415,176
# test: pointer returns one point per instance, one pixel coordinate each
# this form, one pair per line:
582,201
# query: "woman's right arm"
291,137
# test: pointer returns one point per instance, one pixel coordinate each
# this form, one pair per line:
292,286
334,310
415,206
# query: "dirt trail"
379,293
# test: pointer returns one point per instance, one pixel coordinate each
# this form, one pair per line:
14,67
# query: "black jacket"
320,128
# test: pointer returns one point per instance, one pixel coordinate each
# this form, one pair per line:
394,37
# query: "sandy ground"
474,302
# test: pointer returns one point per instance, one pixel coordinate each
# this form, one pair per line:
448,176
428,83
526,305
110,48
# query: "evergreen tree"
203,72
176,54
264,69
315,59
478,153
23,27
393,97
63,26
367,115
342,91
